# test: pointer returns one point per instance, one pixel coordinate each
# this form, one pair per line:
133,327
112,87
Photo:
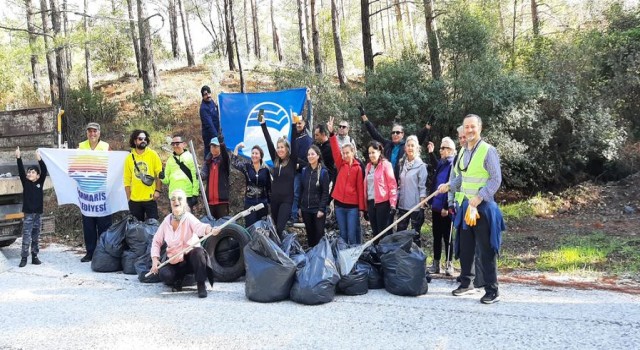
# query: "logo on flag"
239,117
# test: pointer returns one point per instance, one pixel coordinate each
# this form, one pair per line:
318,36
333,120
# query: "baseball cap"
214,141
93,126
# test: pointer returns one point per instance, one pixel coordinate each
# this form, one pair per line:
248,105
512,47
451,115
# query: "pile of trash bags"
126,247
277,268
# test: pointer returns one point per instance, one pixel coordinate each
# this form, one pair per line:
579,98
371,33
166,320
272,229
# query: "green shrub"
84,107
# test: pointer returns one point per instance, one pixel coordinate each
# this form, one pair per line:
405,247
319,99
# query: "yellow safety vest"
101,146
476,176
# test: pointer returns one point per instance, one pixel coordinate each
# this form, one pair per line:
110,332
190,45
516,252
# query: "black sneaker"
35,260
87,257
23,262
463,291
490,298
177,286
202,290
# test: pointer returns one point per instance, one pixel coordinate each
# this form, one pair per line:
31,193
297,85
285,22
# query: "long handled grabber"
233,219
347,258
203,192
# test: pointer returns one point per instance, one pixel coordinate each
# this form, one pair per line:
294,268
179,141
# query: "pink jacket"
188,231
386,187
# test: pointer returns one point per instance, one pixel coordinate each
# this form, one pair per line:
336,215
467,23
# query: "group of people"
308,174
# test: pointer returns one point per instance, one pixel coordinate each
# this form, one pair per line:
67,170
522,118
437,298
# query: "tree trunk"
277,46
535,20
187,36
228,34
173,29
337,44
432,40
315,39
51,58
513,34
132,29
390,26
67,48
87,53
215,44
412,34
149,76
235,44
246,29
35,64
256,29
113,7
223,29
302,31
367,48
307,21
61,64
399,22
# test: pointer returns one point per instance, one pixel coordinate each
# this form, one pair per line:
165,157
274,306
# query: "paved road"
62,304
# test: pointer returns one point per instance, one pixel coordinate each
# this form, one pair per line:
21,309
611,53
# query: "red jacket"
386,187
349,186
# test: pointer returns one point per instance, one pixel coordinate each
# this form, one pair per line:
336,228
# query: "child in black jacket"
32,207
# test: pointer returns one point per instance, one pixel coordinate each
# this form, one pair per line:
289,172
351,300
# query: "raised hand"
330,124
18,152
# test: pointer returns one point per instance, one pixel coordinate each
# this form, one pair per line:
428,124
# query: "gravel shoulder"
63,304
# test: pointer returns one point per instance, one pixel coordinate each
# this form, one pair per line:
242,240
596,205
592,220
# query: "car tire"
226,252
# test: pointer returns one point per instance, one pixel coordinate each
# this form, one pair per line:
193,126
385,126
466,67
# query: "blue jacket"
491,212
443,169
210,120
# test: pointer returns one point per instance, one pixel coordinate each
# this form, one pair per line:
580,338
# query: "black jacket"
33,196
388,147
327,159
282,176
314,189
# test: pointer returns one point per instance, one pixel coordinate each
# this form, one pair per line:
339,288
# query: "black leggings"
280,213
314,227
379,217
441,231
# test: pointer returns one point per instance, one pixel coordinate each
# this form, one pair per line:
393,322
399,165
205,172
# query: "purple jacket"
443,169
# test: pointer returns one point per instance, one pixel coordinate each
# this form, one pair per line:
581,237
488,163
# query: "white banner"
92,180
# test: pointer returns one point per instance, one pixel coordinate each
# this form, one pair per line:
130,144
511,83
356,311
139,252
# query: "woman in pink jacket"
179,229
380,189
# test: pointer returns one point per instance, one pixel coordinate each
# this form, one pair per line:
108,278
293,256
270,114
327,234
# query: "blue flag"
239,117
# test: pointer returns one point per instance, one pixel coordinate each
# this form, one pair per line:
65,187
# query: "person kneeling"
179,230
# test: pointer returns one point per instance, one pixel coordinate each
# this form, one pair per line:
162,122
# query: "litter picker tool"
347,258
203,192
233,219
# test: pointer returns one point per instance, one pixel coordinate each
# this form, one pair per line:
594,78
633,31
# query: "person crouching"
179,229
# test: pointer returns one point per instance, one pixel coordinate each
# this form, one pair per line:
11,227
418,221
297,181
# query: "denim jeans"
348,224
30,234
296,196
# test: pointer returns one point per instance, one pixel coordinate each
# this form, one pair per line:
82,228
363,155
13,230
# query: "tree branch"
388,7
25,30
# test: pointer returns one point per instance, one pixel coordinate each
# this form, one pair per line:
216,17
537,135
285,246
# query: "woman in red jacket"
380,189
348,191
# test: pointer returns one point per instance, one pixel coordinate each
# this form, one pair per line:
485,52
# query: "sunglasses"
397,132
176,143
179,199
142,139
343,126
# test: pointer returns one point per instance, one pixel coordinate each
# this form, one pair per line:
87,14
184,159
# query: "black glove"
366,215
361,109
452,211
393,212
161,175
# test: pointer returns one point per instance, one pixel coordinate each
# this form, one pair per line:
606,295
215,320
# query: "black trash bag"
113,239
140,234
128,260
404,268
370,256
269,271
292,247
356,282
316,281
393,242
103,261
143,265
265,228
338,244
